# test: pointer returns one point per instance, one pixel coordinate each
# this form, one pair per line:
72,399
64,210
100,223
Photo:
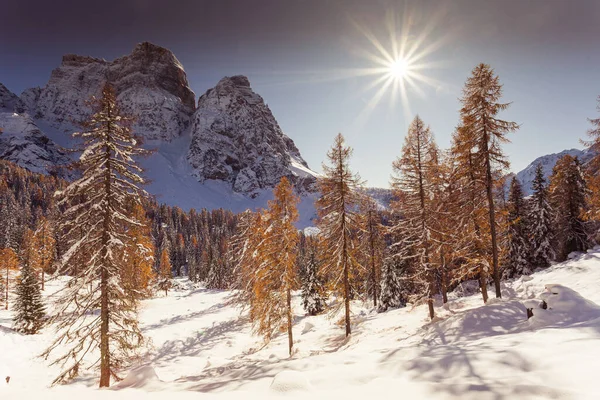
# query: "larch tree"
137,273
371,239
568,192
467,206
165,273
276,275
540,219
10,262
479,118
518,233
46,245
95,224
339,222
593,168
414,181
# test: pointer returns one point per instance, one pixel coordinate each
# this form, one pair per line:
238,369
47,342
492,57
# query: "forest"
456,215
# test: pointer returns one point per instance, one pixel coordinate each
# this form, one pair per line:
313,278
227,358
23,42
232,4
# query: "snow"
201,343
548,161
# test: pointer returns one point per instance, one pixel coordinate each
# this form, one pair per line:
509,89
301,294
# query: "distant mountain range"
526,176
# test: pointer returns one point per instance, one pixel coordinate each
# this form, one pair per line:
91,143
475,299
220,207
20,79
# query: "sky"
308,60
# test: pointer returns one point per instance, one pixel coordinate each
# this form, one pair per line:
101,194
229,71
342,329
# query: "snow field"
201,343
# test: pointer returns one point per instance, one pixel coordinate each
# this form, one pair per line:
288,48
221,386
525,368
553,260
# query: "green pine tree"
313,287
30,311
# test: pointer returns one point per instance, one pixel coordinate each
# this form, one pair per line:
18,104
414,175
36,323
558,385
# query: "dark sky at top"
547,53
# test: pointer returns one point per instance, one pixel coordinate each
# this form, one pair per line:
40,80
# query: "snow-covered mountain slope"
229,152
21,141
150,84
172,180
548,161
201,343
236,139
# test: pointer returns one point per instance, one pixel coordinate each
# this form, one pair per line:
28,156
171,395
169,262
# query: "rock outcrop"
150,84
235,138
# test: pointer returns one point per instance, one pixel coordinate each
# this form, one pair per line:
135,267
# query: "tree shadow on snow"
201,341
180,318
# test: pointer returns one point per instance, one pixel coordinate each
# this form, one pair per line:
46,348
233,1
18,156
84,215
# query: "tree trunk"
104,346
483,284
373,266
492,215
444,278
289,321
430,300
104,311
6,297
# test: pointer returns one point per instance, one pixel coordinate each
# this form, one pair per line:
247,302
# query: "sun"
398,68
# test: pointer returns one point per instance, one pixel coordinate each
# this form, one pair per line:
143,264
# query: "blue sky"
299,55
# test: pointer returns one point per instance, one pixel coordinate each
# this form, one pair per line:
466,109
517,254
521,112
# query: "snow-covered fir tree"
518,243
339,222
95,223
29,309
313,287
391,295
540,222
568,193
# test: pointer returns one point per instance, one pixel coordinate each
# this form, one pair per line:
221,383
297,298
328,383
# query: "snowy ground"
200,343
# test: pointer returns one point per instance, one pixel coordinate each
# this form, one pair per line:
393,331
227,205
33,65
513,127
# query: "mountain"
548,161
236,139
228,151
22,142
150,84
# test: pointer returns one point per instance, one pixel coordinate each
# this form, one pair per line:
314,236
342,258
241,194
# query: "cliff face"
150,84
21,141
235,138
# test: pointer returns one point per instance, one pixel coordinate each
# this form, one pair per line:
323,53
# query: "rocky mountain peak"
235,138
150,83
8,100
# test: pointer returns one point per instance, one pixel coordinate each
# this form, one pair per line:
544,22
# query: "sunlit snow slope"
200,343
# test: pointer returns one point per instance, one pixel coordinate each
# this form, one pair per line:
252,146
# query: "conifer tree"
95,224
593,169
10,262
540,219
164,272
313,287
276,268
568,199
480,107
29,308
372,245
46,245
137,271
391,283
518,248
414,181
339,222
